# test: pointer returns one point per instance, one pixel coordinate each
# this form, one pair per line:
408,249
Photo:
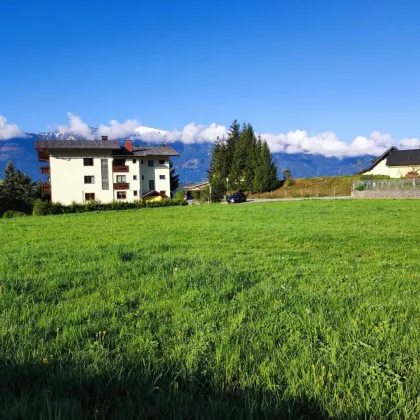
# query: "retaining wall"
386,194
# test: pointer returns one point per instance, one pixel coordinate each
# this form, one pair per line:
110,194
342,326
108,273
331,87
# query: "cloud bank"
298,141
9,131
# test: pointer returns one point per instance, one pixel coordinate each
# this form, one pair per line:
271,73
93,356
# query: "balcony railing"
46,188
121,185
43,155
45,170
120,168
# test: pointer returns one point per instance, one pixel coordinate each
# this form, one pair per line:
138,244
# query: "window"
121,178
105,174
119,162
89,179
134,177
87,161
121,195
134,160
135,193
142,161
151,185
151,163
162,162
162,176
89,196
163,192
142,177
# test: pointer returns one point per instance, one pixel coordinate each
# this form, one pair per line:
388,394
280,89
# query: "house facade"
81,171
396,164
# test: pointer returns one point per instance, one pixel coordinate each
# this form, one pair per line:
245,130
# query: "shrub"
11,214
179,195
360,187
289,182
41,208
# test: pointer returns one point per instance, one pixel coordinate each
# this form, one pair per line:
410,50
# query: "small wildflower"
313,366
308,311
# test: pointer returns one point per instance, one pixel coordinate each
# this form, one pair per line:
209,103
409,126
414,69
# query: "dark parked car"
238,197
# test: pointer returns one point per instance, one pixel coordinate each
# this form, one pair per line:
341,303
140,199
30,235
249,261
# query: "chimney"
129,145
104,138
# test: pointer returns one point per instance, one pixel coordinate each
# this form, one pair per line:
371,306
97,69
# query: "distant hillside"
193,161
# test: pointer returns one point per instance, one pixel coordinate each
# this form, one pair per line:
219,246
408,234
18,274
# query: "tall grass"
277,310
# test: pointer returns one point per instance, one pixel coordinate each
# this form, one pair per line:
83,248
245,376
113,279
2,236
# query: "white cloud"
298,141
76,126
9,131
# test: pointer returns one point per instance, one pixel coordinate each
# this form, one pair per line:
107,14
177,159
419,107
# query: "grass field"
281,310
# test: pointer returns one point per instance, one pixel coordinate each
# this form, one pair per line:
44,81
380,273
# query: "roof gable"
379,159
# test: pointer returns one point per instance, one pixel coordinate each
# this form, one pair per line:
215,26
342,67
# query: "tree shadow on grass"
50,391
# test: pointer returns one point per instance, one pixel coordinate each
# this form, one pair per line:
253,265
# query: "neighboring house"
396,164
87,170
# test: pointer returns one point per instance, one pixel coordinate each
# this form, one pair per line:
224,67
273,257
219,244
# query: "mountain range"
192,164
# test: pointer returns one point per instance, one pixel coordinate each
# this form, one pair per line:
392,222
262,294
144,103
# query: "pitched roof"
108,145
76,144
148,151
404,158
379,158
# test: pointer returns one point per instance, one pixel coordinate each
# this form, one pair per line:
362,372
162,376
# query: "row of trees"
242,161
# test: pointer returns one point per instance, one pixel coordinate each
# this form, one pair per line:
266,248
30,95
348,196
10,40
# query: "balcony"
120,168
45,170
121,185
43,155
46,189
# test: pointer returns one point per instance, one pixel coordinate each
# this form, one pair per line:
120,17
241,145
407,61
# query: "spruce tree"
233,137
174,178
16,191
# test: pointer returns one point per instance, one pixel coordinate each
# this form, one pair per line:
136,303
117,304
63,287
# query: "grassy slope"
311,187
304,308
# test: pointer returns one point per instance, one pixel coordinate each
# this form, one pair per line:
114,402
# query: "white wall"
153,173
392,171
133,170
68,171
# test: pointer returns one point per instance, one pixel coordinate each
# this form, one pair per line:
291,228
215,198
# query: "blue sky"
349,67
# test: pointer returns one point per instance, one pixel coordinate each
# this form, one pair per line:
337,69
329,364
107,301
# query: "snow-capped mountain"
191,165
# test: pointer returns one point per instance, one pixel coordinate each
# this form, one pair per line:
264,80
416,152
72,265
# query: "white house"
396,164
103,170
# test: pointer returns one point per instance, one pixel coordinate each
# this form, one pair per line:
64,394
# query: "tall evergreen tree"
174,177
16,191
233,137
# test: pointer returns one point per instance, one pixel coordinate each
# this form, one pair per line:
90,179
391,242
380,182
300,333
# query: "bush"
179,195
360,187
43,208
11,214
289,182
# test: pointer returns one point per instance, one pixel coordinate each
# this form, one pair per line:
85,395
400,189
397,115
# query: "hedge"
44,208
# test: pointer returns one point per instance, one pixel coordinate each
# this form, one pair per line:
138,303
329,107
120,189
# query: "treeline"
242,161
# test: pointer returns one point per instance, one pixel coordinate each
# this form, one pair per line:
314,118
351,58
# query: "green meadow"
303,309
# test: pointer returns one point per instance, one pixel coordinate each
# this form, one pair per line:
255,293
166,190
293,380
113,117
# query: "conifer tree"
174,177
16,191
